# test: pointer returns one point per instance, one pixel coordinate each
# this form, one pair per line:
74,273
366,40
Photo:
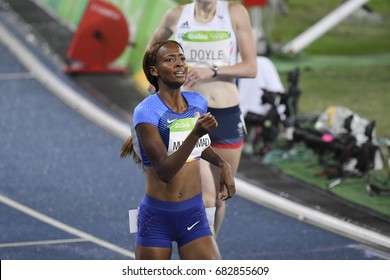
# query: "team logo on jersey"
170,121
185,25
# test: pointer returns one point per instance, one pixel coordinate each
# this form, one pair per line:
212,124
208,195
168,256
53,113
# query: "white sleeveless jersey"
207,44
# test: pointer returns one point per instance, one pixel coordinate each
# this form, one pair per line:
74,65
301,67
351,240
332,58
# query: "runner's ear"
153,71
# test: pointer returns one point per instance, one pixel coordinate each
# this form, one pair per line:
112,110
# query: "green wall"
143,16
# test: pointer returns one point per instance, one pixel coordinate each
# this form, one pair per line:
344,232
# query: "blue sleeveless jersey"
173,127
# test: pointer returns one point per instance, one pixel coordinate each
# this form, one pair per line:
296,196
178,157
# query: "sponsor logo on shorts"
190,227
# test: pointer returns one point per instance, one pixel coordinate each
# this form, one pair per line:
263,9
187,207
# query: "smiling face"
171,67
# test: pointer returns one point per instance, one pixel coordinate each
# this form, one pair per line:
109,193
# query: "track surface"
65,193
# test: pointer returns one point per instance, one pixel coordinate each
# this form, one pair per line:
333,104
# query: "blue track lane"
57,163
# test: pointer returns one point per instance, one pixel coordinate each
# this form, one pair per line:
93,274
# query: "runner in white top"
207,44
212,32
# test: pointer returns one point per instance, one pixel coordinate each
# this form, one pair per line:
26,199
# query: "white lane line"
119,129
291,208
37,215
16,76
371,251
78,103
43,242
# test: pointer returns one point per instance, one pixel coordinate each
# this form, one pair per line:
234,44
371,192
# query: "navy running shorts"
231,128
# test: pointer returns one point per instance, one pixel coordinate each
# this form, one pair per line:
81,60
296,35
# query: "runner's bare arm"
226,179
167,26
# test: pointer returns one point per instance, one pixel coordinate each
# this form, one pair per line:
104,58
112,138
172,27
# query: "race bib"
178,132
207,48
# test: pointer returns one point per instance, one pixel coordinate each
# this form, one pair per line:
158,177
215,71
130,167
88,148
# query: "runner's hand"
197,74
205,124
226,183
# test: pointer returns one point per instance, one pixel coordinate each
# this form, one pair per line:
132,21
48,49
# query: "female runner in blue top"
218,43
171,135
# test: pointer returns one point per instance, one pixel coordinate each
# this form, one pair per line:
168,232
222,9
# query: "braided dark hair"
150,59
